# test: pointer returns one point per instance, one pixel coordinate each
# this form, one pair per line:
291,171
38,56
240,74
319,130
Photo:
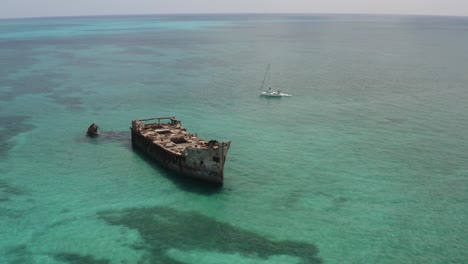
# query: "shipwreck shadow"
162,229
184,183
120,137
124,139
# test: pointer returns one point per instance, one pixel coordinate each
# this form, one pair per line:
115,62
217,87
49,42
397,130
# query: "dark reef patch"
16,56
20,55
72,103
34,83
10,213
161,83
340,201
79,259
11,126
139,50
19,255
71,59
7,192
163,228
7,189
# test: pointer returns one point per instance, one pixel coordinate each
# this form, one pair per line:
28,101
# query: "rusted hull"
195,163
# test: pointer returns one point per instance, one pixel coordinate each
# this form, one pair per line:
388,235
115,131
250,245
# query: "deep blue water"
366,163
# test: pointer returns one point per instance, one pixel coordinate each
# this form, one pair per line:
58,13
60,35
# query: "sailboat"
269,92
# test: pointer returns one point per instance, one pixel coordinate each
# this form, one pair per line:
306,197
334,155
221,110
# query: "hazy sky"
40,8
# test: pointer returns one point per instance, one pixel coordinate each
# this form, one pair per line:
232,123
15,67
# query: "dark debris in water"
164,228
73,258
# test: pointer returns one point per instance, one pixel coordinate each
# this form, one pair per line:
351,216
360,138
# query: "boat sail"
269,92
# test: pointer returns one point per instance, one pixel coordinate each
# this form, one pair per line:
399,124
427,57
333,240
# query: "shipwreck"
165,141
92,130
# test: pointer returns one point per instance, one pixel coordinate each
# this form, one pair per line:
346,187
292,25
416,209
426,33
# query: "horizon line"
242,13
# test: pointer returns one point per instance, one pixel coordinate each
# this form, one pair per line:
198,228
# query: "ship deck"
173,138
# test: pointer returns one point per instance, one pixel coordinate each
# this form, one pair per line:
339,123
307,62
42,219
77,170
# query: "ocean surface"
367,162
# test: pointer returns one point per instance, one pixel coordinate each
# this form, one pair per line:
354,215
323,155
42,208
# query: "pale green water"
366,163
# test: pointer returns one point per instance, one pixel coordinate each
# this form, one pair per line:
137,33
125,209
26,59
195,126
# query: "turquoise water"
366,163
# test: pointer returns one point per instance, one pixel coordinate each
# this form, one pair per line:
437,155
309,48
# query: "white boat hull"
270,92
274,94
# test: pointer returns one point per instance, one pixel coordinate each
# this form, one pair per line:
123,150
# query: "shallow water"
366,163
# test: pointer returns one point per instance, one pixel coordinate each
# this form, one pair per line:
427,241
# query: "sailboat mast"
264,78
